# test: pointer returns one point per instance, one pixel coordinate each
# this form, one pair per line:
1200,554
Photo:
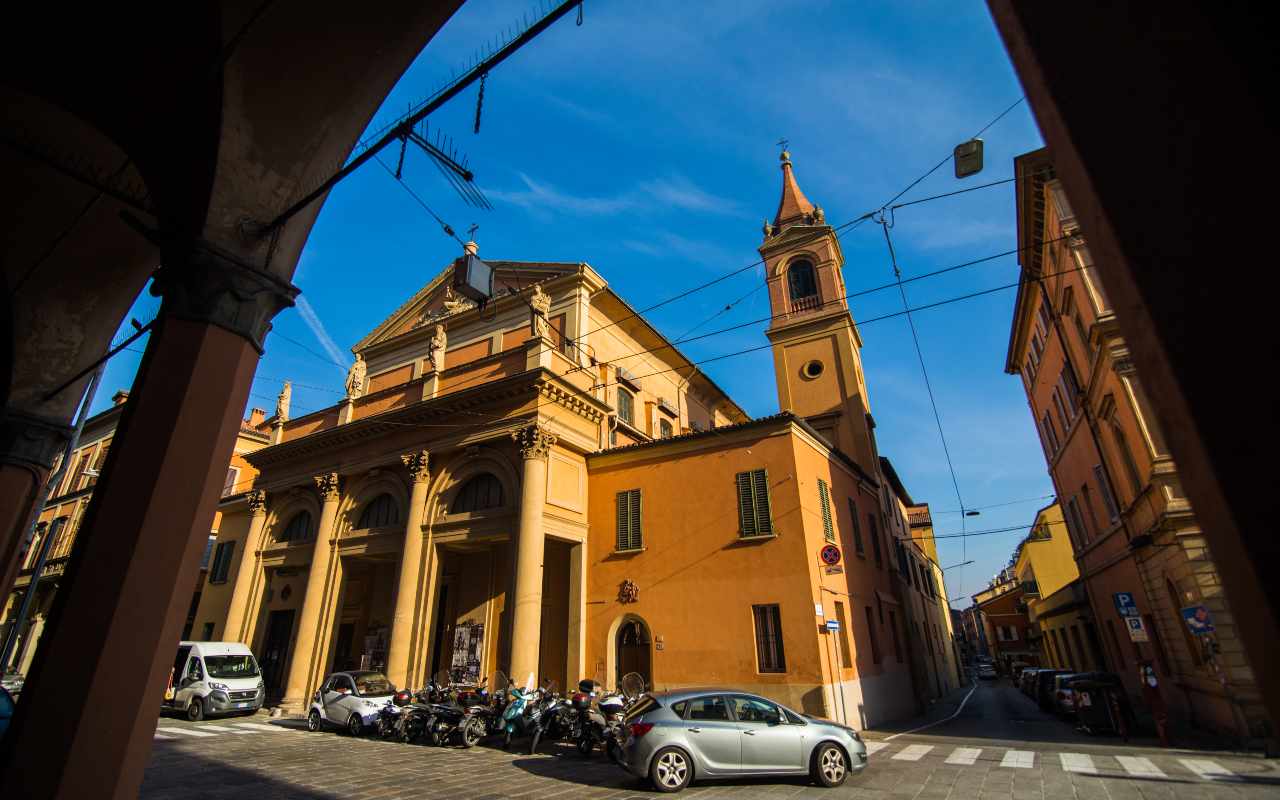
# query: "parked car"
1015,670
211,678
986,672
6,710
1026,678
1042,691
1063,702
350,700
676,737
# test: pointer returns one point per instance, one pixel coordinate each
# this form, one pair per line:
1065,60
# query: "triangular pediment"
437,302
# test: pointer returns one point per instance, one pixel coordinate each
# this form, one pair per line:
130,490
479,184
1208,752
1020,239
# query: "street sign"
817,610
1137,631
830,555
833,624
1198,619
1125,604
833,570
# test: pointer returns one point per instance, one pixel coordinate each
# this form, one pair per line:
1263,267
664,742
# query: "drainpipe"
47,543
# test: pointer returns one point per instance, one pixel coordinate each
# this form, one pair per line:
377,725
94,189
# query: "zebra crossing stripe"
258,726
1022,759
1208,770
1078,762
913,752
1140,767
216,729
160,737
185,732
875,747
964,756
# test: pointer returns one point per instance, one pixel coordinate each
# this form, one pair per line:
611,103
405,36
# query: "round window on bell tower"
811,369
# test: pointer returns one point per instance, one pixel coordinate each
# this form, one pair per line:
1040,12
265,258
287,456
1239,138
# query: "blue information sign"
833,624
1198,619
1125,605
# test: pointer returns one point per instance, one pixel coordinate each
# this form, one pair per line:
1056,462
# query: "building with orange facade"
547,486
1134,534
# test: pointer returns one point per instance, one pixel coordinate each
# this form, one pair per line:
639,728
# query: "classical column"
308,637
399,655
246,567
88,710
534,442
28,446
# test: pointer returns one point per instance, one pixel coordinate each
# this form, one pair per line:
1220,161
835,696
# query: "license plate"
243,705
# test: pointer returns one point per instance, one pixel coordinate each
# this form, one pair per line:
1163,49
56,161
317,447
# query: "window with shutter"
857,530
221,562
1108,499
824,499
629,536
754,516
769,655
875,539
229,483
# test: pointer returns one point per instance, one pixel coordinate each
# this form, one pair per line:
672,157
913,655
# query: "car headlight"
220,686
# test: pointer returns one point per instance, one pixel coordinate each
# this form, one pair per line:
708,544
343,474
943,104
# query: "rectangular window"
846,657
1050,434
1077,521
769,655
629,537
1104,486
1087,501
626,407
221,562
875,539
229,483
857,530
208,551
1064,418
893,629
664,429
1070,388
754,518
875,642
824,500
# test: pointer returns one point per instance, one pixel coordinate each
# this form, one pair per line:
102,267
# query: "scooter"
553,716
388,723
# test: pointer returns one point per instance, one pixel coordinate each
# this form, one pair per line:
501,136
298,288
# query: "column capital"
327,485
257,500
534,441
29,441
417,464
202,282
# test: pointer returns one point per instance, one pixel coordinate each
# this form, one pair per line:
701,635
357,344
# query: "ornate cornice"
204,283
572,400
535,441
327,485
257,501
417,464
31,442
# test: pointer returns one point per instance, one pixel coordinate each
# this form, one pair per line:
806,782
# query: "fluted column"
309,635
534,442
246,567
399,655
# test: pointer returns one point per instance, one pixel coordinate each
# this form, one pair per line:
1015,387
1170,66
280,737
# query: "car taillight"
639,729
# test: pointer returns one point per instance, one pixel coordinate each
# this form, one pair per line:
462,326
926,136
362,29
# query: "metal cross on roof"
471,232
782,143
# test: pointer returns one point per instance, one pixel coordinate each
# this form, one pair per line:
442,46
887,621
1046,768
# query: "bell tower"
816,346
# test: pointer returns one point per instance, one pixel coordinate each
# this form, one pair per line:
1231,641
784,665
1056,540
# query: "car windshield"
231,666
371,684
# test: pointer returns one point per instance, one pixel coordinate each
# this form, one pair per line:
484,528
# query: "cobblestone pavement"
261,757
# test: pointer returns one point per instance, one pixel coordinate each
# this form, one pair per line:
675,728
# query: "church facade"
546,486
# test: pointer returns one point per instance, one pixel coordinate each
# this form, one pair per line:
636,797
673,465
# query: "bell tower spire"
816,346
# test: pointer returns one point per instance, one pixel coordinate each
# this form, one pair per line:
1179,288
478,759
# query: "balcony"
802,304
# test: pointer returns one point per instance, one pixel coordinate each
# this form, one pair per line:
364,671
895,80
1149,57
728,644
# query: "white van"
211,678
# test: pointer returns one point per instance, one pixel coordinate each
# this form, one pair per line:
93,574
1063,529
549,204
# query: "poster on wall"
468,641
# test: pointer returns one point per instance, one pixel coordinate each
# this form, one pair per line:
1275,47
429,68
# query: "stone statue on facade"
454,304
355,378
539,307
282,402
439,340
768,229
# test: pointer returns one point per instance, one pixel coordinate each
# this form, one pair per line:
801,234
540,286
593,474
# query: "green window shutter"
857,530
753,503
629,520
824,498
746,506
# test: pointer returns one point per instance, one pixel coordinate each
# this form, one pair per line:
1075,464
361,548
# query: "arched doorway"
632,650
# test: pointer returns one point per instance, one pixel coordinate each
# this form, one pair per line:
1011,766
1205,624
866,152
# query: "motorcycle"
553,716
450,714
525,709
603,720
388,723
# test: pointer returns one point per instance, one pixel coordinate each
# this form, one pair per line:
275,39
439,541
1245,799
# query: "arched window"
379,513
298,529
481,492
801,280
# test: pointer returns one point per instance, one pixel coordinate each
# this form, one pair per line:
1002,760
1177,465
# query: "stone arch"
781,266
281,513
614,670
445,486
368,488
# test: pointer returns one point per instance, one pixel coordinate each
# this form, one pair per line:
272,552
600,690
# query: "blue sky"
643,143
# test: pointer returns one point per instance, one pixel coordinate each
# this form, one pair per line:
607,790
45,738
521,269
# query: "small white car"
350,700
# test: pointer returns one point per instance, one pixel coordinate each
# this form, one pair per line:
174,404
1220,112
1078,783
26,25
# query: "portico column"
247,567
309,635
534,442
399,655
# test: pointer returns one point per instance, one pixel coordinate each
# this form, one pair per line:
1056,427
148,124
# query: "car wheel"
313,721
830,766
355,726
195,710
671,770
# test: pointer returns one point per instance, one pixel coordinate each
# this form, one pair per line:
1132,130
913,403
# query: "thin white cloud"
656,195
310,317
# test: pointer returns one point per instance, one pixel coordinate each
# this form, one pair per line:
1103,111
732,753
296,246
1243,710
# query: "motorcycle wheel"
586,747
472,732
611,749
506,740
533,746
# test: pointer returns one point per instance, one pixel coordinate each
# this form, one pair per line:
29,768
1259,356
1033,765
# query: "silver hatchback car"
677,736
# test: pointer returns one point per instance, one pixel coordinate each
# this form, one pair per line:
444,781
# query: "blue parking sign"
1125,605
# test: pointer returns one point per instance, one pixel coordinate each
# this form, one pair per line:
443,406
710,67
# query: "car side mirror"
773,719
185,683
